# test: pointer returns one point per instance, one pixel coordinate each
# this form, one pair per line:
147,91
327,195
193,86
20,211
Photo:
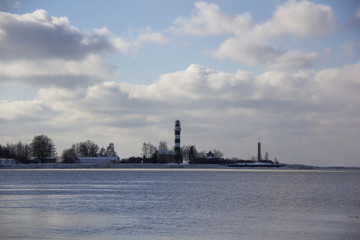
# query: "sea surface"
179,204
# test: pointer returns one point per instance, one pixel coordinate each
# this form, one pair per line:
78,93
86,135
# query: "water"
179,204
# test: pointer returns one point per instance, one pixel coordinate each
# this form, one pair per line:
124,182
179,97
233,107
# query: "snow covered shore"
111,166
162,166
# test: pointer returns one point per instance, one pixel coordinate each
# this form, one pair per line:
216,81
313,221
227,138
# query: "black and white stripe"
177,137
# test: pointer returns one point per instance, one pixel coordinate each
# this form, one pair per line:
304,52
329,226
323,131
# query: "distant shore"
113,166
162,166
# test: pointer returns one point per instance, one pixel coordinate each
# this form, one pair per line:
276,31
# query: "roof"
105,158
165,152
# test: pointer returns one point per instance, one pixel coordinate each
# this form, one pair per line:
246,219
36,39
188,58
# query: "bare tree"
185,152
201,154
110,150
42,147
189,153
19,151
217,153
22,152
163,145
148,150
69,155
193,153
102,152
87,149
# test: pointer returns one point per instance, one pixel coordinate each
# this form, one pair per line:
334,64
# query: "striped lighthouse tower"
177,130
259,152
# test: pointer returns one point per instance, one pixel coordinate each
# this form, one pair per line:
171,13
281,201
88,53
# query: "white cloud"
48,72
104,36
197,86
248,51
294,60
255,43
298,87
38,35
254,53
303,19
208,19
194,83
298,18
340,85
150,36
11,111
39,49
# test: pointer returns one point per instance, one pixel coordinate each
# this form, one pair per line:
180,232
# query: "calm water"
179,204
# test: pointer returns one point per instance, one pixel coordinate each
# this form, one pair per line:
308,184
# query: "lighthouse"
177,130
259,152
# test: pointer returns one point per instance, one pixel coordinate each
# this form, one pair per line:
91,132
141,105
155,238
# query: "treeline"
42,150
18,151
189,153
86,149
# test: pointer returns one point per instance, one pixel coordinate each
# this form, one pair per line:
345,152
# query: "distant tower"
259,152
177,130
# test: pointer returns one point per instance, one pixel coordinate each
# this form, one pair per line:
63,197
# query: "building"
98,160
7,161
165,156
45,160
210,154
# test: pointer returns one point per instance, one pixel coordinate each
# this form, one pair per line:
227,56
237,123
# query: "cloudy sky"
286,73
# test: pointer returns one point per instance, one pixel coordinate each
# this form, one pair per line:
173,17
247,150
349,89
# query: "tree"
110,150
6,151
21,152
201,154
148,150
9,150
163,145
102,152
217,153
69,155
189,153
87,149
185,150
192,153
42,147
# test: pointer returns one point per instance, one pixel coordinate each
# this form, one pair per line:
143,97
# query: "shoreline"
114,166
167,166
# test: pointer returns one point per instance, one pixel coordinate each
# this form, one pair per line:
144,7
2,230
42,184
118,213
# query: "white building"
7,161
98,160
165,156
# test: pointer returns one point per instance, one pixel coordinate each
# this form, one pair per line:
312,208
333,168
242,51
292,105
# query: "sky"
285,73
